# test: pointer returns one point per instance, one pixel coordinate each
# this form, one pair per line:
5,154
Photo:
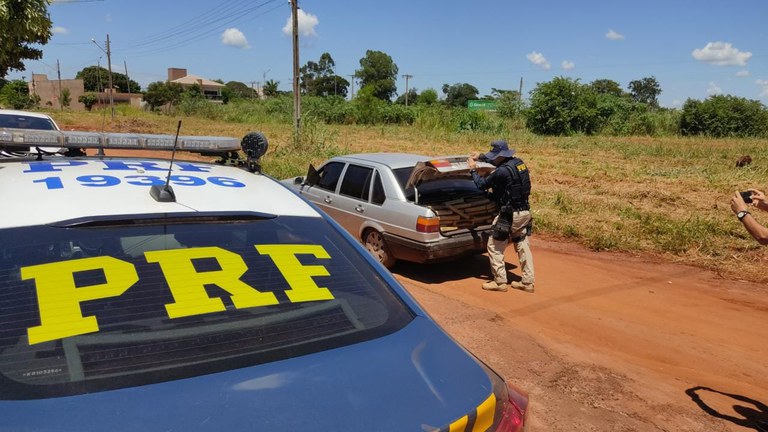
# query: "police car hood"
447,166
414,379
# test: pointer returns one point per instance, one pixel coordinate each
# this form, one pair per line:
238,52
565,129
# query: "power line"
188,26
187,37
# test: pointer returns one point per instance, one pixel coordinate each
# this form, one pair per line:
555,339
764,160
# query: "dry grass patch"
661,196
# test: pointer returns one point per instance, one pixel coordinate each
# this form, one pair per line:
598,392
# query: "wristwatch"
741,214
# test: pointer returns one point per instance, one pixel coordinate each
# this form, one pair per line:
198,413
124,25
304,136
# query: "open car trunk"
446,187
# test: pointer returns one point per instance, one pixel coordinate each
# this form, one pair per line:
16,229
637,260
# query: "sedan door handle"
359,209
328,200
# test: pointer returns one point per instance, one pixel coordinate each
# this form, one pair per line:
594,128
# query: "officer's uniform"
511,186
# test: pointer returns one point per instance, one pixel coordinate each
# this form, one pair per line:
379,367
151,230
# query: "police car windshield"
90,309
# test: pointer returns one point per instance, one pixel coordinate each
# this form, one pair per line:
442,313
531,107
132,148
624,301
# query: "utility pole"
296,95
264,80
111,89
407,77
108,52
99,87
520,91
58,72
127,80
352,80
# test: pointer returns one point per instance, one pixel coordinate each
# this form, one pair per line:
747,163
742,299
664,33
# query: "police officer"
510,184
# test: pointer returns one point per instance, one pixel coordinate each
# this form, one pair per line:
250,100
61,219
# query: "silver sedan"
403,206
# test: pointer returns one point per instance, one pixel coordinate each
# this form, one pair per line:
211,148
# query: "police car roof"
59,189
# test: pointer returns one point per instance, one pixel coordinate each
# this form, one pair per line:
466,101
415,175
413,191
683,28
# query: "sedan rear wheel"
374,242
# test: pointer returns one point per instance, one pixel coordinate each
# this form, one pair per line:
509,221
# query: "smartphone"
747,196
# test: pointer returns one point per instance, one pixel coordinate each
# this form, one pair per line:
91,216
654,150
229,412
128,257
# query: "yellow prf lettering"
188,285
299,277
59,299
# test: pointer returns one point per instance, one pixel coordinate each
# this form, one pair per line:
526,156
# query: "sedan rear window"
85,309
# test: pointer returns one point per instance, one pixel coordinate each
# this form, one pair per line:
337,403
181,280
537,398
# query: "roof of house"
194,79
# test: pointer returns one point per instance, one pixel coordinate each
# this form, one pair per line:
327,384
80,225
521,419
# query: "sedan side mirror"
298,180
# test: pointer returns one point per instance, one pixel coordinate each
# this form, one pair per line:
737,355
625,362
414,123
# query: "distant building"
211,89
49,91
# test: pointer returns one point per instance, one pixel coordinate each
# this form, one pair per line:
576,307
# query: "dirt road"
611,342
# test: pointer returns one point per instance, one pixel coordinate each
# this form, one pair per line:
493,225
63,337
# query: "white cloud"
713,89
59,30
234,37
742,73
307,24
763,87
567,65
721,54
539,60
612,35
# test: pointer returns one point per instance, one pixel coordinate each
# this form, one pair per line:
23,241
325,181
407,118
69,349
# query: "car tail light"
427,224
514,412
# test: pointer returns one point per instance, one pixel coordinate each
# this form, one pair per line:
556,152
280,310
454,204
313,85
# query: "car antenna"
165,193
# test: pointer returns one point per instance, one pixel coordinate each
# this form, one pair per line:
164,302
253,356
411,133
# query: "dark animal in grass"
743,161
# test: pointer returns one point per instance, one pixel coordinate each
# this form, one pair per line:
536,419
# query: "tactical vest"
518,190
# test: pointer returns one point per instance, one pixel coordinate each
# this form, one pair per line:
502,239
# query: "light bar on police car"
109,140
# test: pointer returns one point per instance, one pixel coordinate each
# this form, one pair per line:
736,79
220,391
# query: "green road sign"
482,105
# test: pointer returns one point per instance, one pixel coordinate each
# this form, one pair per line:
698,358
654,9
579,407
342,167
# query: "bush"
88,99
510,106
724,116
464,120
329,109
563,106
398,114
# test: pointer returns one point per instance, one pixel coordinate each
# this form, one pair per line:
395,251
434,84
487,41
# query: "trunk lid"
442,167
458,208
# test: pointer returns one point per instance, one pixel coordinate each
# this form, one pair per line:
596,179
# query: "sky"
694,48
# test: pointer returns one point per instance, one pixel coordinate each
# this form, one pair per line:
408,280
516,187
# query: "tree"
270,88
238,90
508,103
379,73
413,97
96,79
320,79
606,86
88,100
24,23
498,94
160,93
15,94
646,90
65,97
458,95
368,107
563,106
428,97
